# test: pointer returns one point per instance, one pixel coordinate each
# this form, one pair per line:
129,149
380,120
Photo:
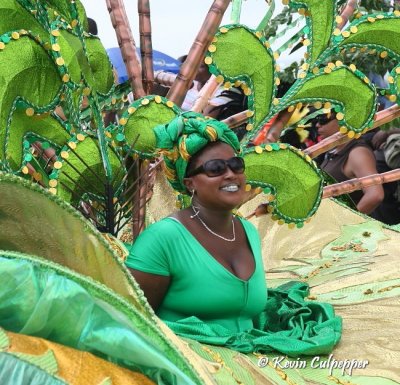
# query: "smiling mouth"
230,188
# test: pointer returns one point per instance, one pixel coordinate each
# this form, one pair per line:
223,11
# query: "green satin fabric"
289,325
60,306
15,371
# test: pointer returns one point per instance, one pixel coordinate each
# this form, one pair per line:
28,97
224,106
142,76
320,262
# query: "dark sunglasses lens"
215,167
236,164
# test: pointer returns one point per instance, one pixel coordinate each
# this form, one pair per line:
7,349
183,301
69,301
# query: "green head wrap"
183,137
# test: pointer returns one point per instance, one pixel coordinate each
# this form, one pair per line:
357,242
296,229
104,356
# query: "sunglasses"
218,167
324,119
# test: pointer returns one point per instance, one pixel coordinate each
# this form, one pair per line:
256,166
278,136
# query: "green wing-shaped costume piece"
102,309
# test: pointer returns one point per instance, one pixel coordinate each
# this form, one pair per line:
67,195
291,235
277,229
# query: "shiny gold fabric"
74,366
368,297
43,225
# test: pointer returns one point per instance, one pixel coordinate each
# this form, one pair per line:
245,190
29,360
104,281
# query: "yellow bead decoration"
30,111
258,149
339,116
64,154
351,134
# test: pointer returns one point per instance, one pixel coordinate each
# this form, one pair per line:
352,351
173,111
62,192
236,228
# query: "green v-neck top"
200,286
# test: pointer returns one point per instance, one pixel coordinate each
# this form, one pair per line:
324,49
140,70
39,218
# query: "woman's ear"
188,182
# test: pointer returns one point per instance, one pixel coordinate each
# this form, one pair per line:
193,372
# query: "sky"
175,23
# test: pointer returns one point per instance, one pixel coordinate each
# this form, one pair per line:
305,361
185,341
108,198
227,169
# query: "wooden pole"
197,52
237,119
205,94
127,44
146,48
347,12
337,139
164,78
351,185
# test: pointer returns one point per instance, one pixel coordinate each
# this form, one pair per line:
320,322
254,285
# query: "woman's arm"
154,286
361,162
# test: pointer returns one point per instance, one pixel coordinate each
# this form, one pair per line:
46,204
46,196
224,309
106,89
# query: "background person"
350,160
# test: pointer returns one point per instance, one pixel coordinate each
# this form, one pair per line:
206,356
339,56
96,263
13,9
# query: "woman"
351,160
201,268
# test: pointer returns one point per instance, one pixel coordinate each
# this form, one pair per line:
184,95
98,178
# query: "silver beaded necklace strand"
196,214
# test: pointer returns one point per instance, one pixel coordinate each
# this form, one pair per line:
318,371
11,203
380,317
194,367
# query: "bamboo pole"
351,185
348,10
337,139
205,94
237,119
164,78
127,44
345,187
196,54
146,49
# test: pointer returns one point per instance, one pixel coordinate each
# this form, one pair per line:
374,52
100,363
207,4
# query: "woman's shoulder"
162,226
